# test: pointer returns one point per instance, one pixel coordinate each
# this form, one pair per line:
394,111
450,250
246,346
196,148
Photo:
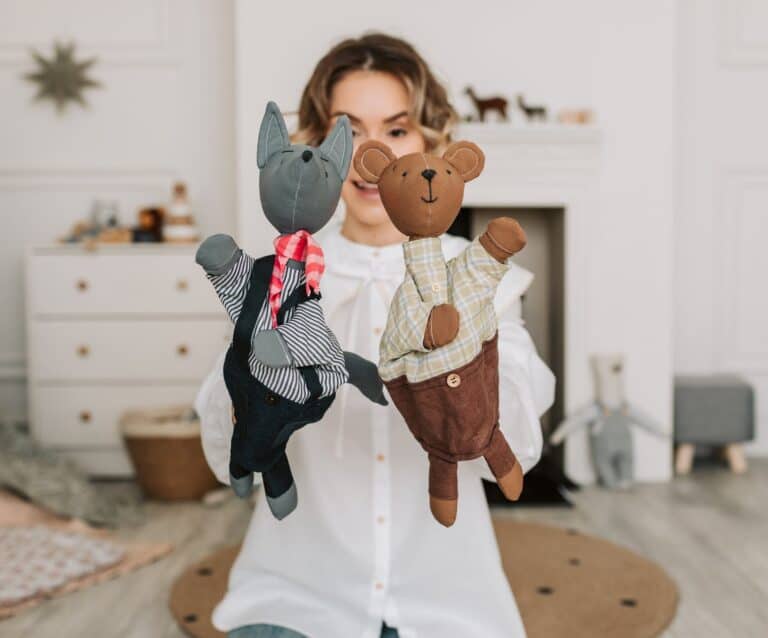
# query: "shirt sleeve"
477,275
526,391
213,407
308,338
232,286
425,286
406,323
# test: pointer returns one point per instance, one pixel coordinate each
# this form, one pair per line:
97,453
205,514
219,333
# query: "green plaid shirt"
468,282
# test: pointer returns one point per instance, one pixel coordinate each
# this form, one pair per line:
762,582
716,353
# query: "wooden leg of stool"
734,453
684,458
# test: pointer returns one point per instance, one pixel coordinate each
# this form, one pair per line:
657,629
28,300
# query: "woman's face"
377,105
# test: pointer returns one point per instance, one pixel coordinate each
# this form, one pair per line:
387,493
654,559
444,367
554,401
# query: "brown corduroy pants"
455,417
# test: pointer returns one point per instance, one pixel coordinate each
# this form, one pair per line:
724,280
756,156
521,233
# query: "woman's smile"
366,190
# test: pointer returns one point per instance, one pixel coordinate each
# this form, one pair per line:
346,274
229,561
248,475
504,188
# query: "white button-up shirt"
362,545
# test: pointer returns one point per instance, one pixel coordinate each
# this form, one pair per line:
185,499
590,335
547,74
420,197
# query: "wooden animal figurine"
438,355
610,419
284,365
531,112
483,105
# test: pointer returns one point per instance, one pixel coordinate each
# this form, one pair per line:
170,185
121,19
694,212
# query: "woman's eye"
355,133
398,132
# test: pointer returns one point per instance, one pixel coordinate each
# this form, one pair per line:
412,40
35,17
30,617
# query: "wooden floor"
710,531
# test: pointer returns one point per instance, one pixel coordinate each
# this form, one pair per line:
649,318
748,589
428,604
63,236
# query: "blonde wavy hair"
430,109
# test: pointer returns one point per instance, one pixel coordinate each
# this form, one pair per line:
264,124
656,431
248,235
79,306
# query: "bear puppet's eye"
405,173
448,170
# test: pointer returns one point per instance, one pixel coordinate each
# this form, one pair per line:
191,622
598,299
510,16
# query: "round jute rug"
567,584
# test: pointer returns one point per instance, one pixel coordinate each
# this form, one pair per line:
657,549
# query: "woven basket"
165,448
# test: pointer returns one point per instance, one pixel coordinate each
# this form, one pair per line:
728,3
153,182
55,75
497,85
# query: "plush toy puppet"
610,419
284,364
438,355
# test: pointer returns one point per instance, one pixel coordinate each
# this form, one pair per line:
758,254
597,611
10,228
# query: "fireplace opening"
543,311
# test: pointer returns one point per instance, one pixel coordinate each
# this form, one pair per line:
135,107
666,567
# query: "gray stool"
713,410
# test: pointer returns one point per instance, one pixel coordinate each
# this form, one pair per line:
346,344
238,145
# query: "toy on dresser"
284,365
439,357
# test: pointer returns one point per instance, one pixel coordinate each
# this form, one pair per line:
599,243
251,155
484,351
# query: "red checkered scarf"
299,246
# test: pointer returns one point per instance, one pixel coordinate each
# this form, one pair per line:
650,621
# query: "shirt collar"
346,257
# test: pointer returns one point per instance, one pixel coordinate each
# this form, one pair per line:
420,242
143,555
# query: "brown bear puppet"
439,357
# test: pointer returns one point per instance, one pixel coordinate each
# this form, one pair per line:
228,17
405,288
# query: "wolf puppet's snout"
306,155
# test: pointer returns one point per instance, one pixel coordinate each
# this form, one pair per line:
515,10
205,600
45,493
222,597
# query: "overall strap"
258,287
308,373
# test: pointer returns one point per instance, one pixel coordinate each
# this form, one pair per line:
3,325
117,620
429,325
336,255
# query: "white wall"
618,57
722,221
165,112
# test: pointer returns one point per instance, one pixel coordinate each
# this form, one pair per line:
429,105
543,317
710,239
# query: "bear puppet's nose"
428,174
306,155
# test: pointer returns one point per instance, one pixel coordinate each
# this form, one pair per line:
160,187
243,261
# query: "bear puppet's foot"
444,510
503,238
511,484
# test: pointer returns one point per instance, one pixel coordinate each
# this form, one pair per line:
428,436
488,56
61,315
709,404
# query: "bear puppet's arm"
428,273
406,323
503,238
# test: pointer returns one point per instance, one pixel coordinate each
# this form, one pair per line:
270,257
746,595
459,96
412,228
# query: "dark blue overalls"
264,420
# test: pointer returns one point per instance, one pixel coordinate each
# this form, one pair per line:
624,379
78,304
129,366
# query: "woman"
362,556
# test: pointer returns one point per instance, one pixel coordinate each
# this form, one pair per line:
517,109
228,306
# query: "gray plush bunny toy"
609,419
284,365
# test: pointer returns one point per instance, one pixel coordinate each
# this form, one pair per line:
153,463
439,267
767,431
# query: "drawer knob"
83,351
82,285
182,284
182,350
85,416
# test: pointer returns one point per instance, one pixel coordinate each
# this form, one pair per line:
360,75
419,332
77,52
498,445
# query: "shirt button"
380,458
435,287
377,331
453,380
379,586
380,520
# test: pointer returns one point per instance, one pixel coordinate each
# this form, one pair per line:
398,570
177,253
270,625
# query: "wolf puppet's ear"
337,147
371,159
273,135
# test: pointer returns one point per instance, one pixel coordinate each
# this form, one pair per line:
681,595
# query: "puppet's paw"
444,510
364,375
269,348
511,483
442,326
282,505
217,254
242,486
503,238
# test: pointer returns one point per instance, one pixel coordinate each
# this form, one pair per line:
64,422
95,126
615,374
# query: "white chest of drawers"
120,327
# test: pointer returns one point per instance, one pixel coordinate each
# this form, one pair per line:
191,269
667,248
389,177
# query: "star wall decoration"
62,78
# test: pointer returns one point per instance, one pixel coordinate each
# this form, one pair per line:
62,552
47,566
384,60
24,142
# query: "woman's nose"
428,174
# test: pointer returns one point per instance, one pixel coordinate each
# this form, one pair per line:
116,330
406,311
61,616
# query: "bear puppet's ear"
467,158
371,159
